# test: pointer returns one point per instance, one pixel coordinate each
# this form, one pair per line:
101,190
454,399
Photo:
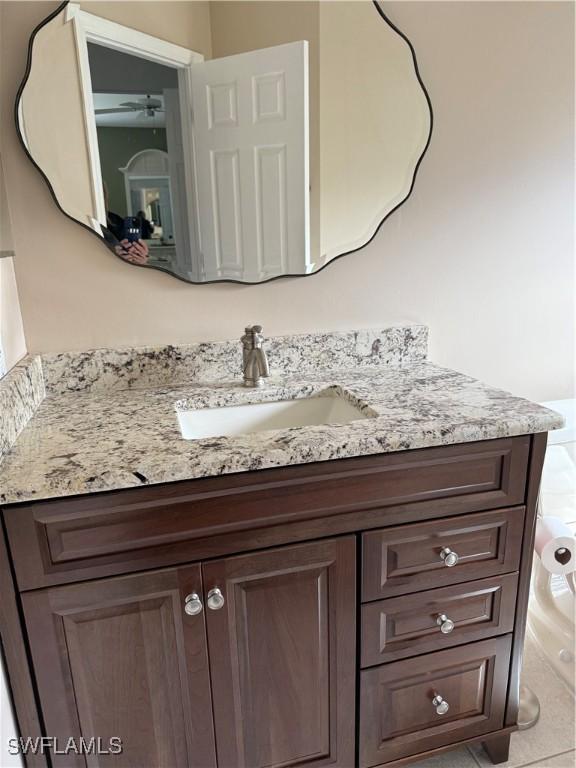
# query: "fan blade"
142,104
111,111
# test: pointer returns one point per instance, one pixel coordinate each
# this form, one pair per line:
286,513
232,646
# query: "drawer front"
399,712
55,542
439,618
410,558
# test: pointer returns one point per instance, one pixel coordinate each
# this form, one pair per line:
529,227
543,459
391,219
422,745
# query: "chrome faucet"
254,360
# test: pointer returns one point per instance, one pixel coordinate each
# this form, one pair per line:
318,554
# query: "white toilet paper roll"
555,545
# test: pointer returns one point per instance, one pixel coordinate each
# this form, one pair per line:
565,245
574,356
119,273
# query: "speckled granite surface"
21,392
86,442
102,370
112,370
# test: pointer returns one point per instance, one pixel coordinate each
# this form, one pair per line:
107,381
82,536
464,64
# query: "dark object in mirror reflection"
134,251
131,229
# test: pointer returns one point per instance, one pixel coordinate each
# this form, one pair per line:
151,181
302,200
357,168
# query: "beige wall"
482,251
370,136
6,239
184,22
12,342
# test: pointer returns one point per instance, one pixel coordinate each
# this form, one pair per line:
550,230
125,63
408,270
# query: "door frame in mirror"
89,28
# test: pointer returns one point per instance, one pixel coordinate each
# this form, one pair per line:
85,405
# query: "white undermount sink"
231,421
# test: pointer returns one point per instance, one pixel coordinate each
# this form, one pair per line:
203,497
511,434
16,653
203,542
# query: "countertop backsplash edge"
22,390
112,369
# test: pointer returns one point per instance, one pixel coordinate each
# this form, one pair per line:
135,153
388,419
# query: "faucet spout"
255,366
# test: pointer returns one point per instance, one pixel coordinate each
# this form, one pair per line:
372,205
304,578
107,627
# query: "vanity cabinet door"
282,655
121,658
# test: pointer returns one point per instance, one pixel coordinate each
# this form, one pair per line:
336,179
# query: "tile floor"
549,744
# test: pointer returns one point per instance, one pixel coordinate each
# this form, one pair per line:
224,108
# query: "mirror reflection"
279,138
140,147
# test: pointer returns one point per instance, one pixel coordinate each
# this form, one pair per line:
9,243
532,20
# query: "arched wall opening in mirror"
289,133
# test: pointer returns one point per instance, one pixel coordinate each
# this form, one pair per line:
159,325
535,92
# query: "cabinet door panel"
282,656
120,658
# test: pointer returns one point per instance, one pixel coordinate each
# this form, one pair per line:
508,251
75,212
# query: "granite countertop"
97,439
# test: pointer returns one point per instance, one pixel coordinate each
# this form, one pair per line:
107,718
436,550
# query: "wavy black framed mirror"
270,138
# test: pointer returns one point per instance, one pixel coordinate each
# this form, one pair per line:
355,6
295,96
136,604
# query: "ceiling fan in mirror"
146,107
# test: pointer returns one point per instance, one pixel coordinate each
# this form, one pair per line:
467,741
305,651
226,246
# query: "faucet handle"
254,360
250,330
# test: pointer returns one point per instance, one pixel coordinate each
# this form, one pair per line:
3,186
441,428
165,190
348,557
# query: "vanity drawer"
409,625
103,534
397,714
410,558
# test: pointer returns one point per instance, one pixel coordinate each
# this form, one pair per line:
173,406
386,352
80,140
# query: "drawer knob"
193,604
450,558
446,625
215,599
440,705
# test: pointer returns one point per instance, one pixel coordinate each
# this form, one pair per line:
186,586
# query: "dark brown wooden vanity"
370,611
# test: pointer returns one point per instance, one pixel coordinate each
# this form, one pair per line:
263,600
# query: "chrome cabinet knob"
193,604
215,599
440,705
450,558
446,625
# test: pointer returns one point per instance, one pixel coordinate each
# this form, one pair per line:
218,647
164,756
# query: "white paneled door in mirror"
251,140
279,137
